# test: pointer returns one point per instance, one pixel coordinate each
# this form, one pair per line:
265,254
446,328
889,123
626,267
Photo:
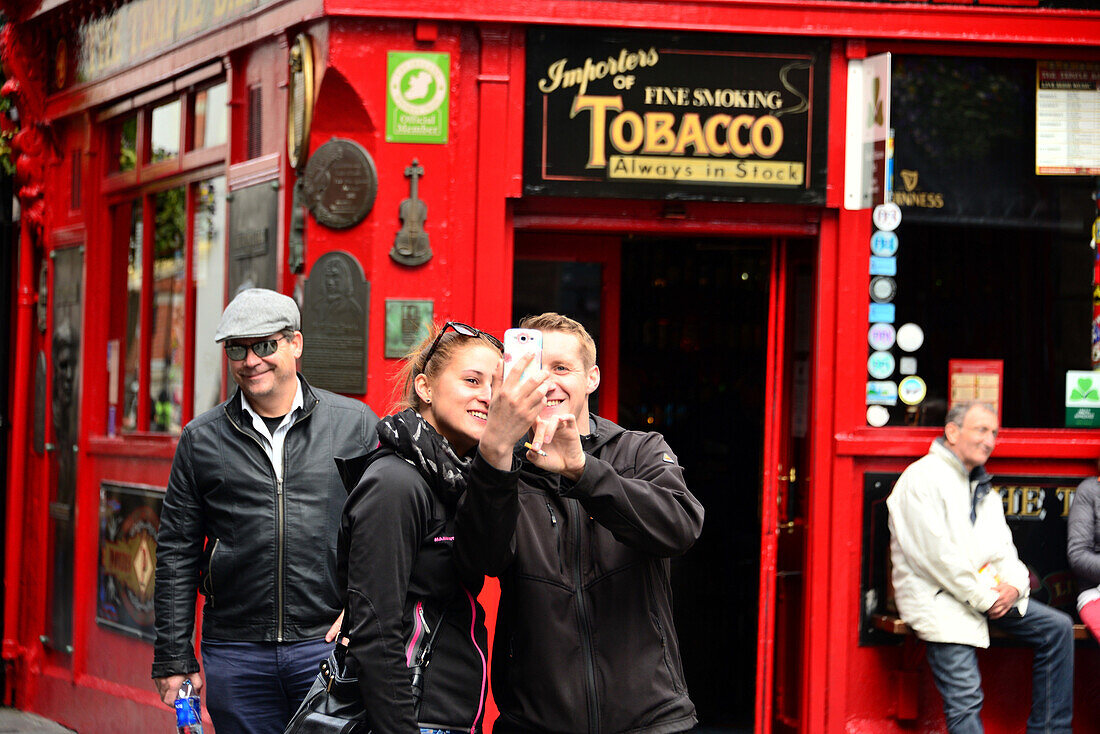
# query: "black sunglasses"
464,330
237,352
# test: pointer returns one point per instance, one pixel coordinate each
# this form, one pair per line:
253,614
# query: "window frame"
140,187
1028,441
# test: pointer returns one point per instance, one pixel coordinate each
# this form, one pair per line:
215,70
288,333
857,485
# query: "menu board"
976,380
1067,118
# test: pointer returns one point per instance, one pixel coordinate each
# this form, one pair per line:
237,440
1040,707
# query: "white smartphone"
518,343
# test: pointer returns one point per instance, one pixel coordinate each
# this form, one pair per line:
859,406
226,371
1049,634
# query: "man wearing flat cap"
250,521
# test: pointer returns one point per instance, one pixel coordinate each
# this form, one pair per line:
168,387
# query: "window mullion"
147,296
188,406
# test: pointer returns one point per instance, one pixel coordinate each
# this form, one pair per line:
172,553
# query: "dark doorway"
692,338
692,366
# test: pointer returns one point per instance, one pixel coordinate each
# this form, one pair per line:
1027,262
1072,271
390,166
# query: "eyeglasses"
237,352
464,330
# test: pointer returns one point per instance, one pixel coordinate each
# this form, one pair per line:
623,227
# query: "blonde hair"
551,321
413,364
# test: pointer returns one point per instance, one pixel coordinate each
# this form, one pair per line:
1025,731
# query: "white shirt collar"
299,402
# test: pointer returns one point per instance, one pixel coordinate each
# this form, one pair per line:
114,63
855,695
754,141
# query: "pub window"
208,276
165,132
168,263
123,144
211,115
993,263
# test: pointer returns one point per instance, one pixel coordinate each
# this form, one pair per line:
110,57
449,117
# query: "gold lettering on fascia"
1028,502
682,144
921,199
1065,496
663,133
139,29
102,45
559,76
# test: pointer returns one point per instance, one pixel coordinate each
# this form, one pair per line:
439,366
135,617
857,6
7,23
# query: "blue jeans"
1050,632
255,687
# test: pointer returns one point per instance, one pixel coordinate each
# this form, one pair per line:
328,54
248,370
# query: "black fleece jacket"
584,637
395,562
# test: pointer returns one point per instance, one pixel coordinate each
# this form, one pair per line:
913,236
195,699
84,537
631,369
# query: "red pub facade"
698,181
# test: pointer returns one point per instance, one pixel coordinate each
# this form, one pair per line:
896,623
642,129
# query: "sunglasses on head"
464,330
266,348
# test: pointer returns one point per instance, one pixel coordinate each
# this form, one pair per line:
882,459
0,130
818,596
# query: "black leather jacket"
263,555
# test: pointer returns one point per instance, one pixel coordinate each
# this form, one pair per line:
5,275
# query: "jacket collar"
978,474
603,431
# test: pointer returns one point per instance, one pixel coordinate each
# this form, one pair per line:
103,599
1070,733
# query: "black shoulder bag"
333,704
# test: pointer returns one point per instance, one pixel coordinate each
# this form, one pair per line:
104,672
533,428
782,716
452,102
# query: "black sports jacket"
396,562
584,636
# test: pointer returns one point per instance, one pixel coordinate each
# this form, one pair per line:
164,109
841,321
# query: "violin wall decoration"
411,245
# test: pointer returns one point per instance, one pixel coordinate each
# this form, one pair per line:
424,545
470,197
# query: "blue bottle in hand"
188,710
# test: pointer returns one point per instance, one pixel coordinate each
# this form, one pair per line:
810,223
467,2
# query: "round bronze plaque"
340,183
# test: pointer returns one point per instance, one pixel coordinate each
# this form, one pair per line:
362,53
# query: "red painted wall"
471,187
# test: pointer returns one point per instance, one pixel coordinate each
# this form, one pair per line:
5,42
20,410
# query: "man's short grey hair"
958,411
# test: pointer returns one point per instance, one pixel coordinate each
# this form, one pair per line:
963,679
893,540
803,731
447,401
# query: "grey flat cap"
258,312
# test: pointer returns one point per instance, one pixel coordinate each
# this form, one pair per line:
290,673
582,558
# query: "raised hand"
513,409
559,440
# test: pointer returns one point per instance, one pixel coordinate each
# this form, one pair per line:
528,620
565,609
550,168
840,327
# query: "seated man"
956,572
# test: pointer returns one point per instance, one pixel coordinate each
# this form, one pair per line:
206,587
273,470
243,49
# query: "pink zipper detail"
417,630
480,652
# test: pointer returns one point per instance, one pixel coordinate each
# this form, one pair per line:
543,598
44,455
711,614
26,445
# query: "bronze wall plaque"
340,183
334,324
253,223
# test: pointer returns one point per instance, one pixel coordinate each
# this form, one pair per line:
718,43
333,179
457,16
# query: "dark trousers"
255,687
1050,632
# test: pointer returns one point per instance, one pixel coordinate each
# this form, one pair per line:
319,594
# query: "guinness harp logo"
912,197
909,178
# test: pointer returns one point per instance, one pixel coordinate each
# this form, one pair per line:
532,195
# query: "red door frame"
566,247
773,464
605,250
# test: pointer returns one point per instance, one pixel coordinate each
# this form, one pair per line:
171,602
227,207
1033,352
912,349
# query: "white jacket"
937,553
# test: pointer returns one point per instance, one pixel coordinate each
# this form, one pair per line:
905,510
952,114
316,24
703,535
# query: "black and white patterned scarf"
414,440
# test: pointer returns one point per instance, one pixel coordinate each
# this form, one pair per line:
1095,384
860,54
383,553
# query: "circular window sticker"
881,336
880,365
884,244
886,217
877,416
883,289
910,337
912,390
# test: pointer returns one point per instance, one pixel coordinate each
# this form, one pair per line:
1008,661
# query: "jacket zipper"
557,536
421,631
280,520
210,573
280,537
280,549
586,630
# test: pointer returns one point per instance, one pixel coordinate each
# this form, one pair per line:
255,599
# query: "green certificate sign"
418,103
